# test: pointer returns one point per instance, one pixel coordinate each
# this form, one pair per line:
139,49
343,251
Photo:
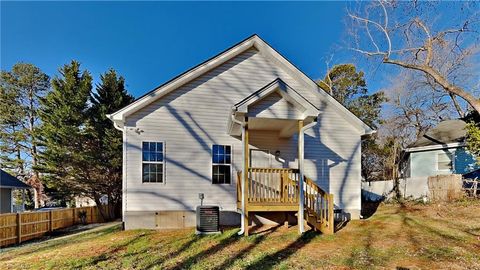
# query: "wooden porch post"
300,214
245,179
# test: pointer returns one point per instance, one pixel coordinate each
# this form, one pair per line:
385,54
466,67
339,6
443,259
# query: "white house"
245,109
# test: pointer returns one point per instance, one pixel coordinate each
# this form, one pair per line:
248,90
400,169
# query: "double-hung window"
153,162
221,164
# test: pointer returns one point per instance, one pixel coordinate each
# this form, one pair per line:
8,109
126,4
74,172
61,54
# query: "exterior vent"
208,219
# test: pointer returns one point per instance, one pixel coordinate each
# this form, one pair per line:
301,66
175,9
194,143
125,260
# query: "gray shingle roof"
449,131
7,180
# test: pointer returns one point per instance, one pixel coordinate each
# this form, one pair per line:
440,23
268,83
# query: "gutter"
435,147
301,146
242,212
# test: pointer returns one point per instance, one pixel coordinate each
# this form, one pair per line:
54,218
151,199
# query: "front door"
260,158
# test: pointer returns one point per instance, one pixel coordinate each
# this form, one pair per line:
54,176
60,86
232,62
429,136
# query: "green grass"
410,236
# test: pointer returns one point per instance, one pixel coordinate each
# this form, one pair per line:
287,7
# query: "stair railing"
320,204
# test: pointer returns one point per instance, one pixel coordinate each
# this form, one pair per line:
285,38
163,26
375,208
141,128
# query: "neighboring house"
8,184
246,109
82,201
440,151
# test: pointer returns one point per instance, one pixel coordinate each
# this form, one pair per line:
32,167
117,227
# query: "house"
8,184
440,151
247,109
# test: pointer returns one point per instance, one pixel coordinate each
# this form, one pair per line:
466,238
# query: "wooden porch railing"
318,207
272,185
280,186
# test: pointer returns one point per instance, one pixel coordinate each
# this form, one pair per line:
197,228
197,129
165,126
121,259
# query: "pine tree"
66,151
21,90
110,96
348,86
11,126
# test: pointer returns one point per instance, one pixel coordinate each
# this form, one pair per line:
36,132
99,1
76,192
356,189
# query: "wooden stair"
318,207
271,189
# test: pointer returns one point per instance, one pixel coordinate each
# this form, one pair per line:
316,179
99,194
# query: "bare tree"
413,108
412,36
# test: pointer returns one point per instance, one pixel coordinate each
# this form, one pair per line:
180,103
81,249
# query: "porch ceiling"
285,127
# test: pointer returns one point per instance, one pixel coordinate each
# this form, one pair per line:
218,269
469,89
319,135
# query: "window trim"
164,178
452,153
212,164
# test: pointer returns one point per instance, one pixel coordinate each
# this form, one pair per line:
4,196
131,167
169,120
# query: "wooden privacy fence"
445,187
16,228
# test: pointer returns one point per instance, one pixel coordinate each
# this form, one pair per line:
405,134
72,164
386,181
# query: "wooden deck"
277,190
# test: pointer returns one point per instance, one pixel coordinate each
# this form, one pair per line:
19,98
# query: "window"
152,162
221,164
444,161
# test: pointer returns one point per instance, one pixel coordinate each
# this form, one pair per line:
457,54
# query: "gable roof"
9,181
253,41
285,91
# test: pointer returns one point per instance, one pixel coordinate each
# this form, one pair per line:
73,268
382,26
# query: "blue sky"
150,42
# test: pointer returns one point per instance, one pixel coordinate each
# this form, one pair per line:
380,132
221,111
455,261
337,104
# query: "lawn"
397,236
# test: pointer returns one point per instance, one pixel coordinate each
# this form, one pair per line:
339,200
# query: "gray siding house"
8,184
247,107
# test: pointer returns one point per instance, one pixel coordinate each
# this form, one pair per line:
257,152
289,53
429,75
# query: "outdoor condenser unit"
208,219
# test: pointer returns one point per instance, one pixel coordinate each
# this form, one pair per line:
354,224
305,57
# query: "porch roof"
276,106
287,92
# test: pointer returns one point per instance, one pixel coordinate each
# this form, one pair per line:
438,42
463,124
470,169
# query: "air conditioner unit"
208,219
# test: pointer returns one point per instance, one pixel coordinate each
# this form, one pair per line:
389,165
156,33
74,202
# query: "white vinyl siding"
194,117
274,106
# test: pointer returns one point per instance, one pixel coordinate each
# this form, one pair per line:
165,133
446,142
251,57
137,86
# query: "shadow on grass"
244,252
44,245
174,254
112,252
369,208
272,260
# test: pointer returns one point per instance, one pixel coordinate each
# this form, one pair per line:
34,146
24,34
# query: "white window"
152,162
221,164
444,161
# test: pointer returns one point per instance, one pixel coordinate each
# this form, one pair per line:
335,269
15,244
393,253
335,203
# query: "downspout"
242,212
301,211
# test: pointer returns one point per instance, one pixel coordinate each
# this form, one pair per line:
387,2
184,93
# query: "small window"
152,162
221,164
444,161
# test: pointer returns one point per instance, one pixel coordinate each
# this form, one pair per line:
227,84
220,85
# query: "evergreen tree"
348,86
109,97
66,152
11,127
20,92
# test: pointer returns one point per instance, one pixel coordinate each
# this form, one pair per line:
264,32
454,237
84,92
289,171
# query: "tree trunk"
33,151
100,207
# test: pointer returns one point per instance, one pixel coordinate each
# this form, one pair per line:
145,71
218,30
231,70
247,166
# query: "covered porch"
272,118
